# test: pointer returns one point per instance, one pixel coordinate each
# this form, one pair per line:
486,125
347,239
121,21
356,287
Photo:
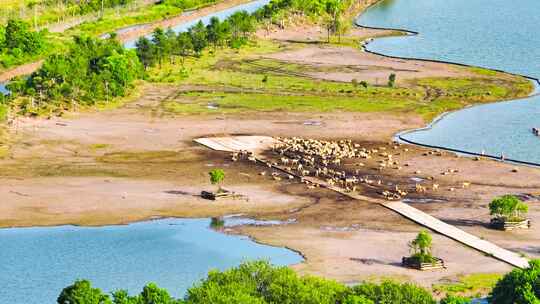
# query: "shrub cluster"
520,286
92,70
18,41
257,283
508,208
234,32
86,6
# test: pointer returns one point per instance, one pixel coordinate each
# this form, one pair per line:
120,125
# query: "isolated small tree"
145,52
364,84
217,222
212,31
198,37
216,177
421,247
184,45
159,39
508,208
392,80
333,9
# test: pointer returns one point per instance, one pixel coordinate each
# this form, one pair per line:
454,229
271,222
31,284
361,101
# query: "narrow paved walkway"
257,144
459,235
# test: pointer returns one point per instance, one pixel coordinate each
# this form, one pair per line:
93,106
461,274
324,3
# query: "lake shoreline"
400,135
341,227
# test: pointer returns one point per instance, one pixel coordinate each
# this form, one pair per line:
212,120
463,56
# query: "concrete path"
456,234
257,144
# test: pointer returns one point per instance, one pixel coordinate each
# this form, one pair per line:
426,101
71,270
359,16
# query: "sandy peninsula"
130,164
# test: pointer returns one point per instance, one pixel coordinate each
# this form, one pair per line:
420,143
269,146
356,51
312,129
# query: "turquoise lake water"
496,34
175,253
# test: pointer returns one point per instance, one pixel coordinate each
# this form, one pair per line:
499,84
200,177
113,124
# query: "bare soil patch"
144,165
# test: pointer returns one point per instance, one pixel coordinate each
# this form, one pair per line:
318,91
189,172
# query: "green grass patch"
114,20
4,110
470,285
482,71
198,103
99,146
243,81
147,157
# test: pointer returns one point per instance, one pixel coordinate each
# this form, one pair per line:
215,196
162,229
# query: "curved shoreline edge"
400,134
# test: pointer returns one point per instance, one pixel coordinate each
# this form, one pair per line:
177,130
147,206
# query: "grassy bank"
474,285
240,81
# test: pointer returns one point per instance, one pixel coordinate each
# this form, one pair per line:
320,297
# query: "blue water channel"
175,253
489,33
249,7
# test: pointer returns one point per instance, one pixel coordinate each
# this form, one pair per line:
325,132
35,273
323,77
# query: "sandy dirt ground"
132,164
24,69
128,164
354,64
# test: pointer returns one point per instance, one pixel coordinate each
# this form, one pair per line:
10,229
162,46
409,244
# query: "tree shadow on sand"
180,192
466,222
367,261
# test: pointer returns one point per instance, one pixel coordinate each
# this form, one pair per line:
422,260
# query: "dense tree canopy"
93,70
520,286
234,32
258,283
18,41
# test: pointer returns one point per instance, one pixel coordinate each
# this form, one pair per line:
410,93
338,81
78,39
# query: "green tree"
93,70
392,80
184,45
508,207
333,9
18,36
198,37
241,25
520,286
259,282
152,294
161,44
122,297
421,247
216,176
212,31
145,52
170,45
224,32
81,292
217,222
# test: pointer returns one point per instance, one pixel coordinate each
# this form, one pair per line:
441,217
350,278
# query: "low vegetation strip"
260,283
